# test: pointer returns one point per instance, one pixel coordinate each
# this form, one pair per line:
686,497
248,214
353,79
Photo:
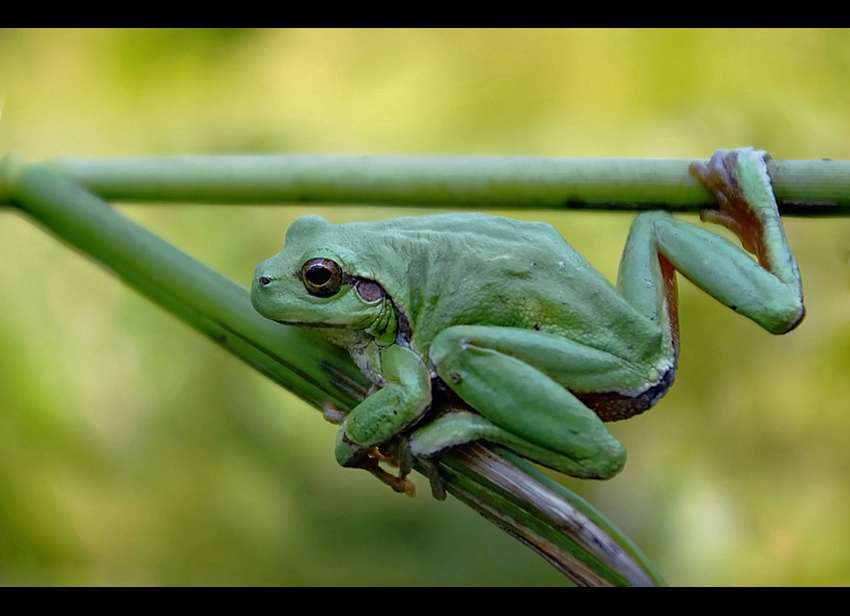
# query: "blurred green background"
133,451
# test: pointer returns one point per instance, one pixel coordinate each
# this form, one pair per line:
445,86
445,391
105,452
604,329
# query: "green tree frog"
541,348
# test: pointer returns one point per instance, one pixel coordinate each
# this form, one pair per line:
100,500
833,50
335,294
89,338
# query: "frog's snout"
261,285
263,278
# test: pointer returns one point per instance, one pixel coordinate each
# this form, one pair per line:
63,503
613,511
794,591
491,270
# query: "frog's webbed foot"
740,182
740,210
399,483
397,453
370,458
394,453
402,458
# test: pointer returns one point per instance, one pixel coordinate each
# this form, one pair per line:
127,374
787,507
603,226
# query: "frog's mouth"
369,291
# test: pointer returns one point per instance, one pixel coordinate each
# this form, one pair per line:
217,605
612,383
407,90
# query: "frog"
539,347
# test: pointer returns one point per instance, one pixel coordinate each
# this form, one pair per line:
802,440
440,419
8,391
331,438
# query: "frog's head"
313,282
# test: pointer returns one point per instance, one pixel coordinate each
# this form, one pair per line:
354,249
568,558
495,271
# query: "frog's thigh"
576,366
521,407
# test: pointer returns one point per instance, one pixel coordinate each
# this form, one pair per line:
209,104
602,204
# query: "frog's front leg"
386,413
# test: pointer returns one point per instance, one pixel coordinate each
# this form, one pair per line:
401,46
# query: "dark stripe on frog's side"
614,406
609,406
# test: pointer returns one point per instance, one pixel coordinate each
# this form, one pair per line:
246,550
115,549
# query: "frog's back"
432,238
465,269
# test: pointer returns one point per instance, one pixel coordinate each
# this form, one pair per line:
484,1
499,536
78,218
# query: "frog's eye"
322,277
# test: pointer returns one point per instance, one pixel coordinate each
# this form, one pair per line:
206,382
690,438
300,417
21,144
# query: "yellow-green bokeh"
133,451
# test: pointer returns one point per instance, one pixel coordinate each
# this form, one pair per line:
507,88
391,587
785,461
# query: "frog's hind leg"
460,427
520,406
768,291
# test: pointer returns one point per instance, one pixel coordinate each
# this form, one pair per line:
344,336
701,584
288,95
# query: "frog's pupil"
318,275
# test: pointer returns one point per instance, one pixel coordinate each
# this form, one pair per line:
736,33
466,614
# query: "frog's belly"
613,406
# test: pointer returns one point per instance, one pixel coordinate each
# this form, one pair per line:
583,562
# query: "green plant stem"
803,188
553,521
211,303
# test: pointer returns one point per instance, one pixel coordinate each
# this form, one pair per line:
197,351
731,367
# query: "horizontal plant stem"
803,188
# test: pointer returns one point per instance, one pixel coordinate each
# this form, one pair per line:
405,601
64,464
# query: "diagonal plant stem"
208,301
506,490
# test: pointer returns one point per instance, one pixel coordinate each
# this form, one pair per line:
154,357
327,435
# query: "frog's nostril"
264,281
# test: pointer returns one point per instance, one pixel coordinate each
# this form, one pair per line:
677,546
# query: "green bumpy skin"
539,345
